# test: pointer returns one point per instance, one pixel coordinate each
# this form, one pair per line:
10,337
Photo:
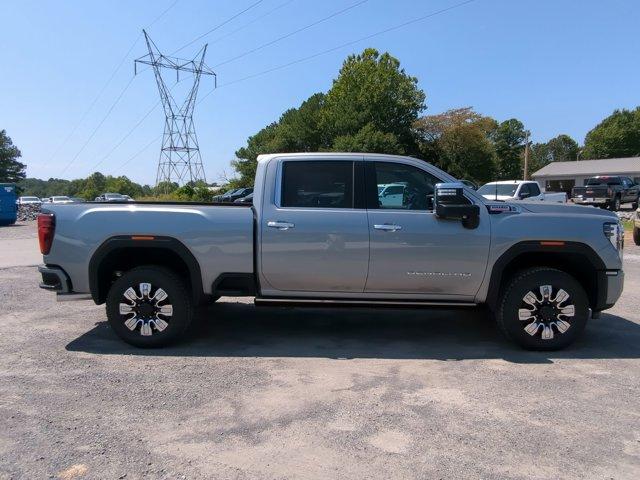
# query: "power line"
127,135
95,130
343,45
106,84
266,14
290,34
255,4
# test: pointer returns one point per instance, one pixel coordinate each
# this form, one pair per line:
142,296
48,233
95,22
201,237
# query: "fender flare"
555,247
128,242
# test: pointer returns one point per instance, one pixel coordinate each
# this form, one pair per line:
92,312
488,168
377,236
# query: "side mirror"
451,204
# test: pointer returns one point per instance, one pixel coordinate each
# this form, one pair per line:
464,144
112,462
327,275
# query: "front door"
411,250
313,236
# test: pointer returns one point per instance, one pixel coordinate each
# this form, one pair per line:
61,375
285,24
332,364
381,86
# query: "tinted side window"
399,186
317,184
524,190
535,189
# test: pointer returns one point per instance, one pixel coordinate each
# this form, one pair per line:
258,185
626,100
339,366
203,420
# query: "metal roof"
605,166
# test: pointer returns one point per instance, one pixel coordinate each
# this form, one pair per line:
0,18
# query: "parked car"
607,192
113,197
247,199
8,207
236,194
316,236
59,199
77,200
29,201
513,190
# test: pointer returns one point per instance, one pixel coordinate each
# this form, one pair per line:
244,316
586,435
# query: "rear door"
411,250
314,231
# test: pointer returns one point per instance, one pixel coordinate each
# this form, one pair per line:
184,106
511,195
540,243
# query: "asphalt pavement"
257,393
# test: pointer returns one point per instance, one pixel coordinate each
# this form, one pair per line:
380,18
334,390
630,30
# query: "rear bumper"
590,201
56,280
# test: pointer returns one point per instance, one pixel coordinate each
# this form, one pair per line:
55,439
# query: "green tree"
508,139
616,136
373,92
458,142
11,170
562,148
371,107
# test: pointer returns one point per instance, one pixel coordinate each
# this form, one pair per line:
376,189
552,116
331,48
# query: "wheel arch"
122,253
575,258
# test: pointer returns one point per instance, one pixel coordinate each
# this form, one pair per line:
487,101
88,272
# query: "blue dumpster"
8,208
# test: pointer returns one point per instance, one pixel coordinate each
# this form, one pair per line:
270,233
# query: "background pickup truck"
320,233
511,190
607,192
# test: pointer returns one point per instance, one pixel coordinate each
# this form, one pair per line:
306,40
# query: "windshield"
604,181
502,189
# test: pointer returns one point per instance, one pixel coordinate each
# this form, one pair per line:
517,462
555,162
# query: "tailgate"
591,191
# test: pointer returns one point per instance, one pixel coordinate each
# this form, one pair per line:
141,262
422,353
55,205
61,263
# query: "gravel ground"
304,394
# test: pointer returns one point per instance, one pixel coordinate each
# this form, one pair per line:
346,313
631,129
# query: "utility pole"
180,159
526,155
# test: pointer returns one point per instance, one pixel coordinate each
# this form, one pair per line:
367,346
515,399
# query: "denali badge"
439,274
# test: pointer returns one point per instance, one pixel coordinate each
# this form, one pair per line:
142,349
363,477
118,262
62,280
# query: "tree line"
372,106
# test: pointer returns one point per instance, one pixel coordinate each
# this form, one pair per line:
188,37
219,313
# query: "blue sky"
559,66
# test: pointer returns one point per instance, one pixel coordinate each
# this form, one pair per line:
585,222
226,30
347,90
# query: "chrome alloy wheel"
547,314
145,311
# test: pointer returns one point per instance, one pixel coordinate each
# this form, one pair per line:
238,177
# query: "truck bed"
220,236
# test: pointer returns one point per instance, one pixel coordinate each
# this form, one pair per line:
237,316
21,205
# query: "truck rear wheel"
615,204
636,235
149,307
543,309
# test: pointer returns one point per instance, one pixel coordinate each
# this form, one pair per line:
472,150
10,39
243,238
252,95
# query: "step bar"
293,301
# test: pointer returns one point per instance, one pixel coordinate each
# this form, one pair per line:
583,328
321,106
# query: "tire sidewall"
177,297
531,281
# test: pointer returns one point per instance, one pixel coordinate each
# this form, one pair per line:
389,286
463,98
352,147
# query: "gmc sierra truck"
320,232
607,192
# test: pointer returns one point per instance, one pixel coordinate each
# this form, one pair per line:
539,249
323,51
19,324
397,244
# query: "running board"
264,301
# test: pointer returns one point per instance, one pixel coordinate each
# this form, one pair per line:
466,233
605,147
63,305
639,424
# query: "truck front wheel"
636,235
149,307
543,309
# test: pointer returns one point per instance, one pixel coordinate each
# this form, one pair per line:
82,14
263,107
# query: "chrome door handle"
280,225
388,227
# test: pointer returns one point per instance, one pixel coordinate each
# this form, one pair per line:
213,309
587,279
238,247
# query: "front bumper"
610,286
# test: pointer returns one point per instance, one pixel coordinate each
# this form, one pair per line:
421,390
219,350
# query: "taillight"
46,230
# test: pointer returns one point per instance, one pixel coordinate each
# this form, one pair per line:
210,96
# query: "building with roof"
563,176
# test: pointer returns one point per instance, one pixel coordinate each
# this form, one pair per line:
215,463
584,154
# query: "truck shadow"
243,330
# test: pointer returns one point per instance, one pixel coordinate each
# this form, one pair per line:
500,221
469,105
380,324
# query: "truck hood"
498,197
565,209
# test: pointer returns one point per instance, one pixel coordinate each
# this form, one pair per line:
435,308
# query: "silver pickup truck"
321,231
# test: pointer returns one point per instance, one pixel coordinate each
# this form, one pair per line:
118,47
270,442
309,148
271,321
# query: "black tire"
634,205
548,316
614,206
146,312
636,235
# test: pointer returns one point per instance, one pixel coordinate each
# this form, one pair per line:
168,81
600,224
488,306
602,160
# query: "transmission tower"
180,159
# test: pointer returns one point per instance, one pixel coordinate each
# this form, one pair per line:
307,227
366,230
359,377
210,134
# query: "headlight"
615,233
